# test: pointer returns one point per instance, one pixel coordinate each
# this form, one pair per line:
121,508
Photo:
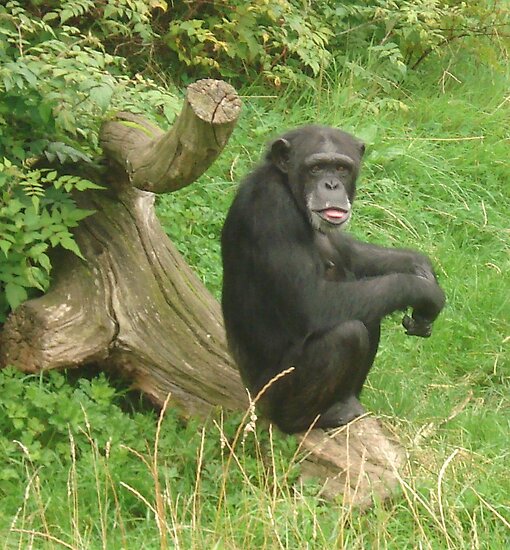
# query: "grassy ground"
436,177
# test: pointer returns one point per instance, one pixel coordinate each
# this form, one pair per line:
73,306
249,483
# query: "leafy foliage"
290,40
77,437
273,38
56,84
36,212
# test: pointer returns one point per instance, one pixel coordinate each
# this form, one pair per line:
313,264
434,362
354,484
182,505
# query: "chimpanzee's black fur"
299,292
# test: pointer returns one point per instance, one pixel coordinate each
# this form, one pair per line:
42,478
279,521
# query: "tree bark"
135,306
360,461
159,162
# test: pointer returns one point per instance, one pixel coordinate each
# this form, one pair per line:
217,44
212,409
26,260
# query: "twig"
470,138
160,506
440,492
485,218
505,522
44,536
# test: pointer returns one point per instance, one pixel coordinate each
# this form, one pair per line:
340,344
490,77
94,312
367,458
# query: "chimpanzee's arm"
369,260
297,291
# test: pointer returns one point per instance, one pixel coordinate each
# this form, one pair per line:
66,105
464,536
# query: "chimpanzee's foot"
341,413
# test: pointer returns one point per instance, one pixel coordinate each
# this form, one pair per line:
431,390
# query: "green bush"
56,85
36,212
275,39
92,463
287,41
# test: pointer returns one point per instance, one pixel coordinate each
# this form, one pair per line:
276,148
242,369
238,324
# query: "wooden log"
162,162
366,460
134,305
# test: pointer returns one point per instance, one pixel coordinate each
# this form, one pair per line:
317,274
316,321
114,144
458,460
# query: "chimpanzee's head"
321,165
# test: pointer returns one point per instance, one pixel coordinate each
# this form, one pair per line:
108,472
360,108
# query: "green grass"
435,177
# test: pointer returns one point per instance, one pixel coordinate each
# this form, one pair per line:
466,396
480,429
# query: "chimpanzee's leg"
374,335
349,408
329,368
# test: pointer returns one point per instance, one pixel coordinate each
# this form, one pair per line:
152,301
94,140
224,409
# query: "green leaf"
37,278
81,185
78,214
101,96
30,77
32,219
162,4
70,244
44,260
63,152
36,202
5,246
15,294
14,207
9,474
45,112
65,15
50,16
36,250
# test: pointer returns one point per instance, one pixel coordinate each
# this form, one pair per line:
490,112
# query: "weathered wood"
134,305
365,458
162,162
69,326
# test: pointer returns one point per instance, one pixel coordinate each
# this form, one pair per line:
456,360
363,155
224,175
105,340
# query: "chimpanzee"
300,292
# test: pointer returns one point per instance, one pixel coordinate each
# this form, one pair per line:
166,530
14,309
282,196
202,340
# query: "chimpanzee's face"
321,165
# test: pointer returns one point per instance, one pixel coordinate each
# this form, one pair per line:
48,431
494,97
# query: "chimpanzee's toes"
341,413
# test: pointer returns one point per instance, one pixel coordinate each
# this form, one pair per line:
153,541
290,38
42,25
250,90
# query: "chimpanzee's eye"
315,169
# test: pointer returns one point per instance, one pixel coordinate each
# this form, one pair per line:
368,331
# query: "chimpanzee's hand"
423,268
417,326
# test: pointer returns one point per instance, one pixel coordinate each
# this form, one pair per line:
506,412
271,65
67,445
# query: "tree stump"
365,458
134,305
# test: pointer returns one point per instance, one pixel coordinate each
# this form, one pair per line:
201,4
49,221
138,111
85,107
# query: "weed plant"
81,473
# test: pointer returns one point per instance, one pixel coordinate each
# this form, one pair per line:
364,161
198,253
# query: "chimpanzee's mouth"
335,216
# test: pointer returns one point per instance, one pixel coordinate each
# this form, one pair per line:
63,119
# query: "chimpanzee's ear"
279,154
361,148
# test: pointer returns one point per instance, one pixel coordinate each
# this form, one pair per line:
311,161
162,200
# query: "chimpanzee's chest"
335,264
334,272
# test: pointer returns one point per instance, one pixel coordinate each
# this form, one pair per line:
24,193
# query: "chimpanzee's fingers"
416,328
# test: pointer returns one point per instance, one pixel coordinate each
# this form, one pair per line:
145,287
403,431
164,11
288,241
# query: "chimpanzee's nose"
331,185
